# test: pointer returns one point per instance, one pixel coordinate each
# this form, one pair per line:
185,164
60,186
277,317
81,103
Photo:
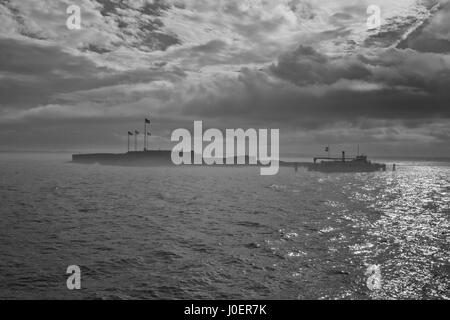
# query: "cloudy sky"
313,69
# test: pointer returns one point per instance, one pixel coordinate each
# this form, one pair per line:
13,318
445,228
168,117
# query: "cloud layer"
312,69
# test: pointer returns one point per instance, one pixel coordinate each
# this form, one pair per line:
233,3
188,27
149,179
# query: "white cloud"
223,59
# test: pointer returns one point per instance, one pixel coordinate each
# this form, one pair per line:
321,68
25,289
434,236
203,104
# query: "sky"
312,69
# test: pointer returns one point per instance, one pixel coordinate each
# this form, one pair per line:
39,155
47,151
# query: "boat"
359,163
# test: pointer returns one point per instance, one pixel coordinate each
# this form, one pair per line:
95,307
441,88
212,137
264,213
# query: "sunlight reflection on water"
223,233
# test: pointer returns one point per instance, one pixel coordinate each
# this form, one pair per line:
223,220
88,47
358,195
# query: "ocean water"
222,233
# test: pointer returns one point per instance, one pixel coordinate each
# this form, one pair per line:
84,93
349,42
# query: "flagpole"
147,121
145,135
128,135
135,140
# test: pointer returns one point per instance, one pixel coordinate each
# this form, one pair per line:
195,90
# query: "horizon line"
286,154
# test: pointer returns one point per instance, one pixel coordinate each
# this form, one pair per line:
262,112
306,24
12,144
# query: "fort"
236,147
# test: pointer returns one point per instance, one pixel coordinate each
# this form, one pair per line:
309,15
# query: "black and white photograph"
225,150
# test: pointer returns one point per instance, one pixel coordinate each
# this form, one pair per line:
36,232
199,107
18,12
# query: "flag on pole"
149,134
327,149
147,121
136,132
129,134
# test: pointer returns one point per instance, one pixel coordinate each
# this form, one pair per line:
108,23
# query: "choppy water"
222,232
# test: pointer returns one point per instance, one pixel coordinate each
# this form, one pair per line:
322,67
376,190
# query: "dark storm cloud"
432,36
305,66
310,90
38,74
420,72
230,64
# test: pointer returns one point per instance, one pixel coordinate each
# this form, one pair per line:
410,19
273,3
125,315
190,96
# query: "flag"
147,120
327,149
149,134
130,133
136,132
